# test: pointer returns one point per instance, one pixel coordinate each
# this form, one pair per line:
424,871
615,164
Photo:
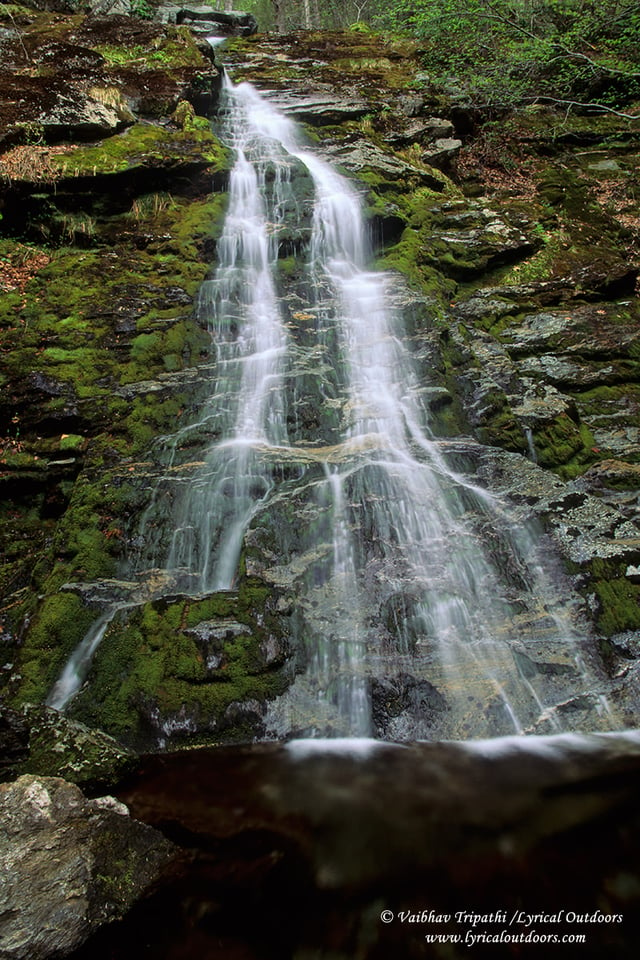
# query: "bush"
505,52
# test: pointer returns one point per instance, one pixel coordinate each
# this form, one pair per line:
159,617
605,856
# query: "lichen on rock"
69,865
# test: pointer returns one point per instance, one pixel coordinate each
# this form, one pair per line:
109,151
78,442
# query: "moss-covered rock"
198,668
145,145
618,605
97,322
58,747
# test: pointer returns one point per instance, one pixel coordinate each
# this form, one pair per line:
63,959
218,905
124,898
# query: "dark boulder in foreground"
364,849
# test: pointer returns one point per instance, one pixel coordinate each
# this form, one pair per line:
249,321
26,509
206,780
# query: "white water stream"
405,529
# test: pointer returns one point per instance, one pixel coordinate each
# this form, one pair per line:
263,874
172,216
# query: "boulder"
419,130
442,152
52,109
69,865
229,24
83,115
468,237
362,155
39,740
321,842
322,105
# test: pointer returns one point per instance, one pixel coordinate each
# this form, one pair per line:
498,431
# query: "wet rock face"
69,865
398,703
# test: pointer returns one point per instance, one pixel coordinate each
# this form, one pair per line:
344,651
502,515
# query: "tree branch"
585,106
19,36
598,66
495,15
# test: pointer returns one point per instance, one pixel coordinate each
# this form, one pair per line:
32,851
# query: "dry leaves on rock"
18,269
31,163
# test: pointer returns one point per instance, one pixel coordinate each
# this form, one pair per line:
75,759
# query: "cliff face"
518,243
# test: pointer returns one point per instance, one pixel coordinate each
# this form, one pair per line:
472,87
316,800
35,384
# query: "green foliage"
30,132
285,15
141,9
504,52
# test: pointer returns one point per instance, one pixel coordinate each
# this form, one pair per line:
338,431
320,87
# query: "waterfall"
241,308
76,668
404,595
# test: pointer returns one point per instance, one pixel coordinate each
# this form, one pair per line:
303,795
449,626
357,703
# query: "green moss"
87,540
421,206
174,50
596,399
619,606
584,457
185,231
19,460
147,348
168,348
10,10
558,442
77,299
150,660
541,123
80,367
408,257
145,145
288,266
503,429
546,262
147,417
72,441
417,254
59,624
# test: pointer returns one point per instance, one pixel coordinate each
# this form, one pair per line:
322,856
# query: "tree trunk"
279,12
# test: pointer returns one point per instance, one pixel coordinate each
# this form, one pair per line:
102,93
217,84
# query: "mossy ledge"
201,669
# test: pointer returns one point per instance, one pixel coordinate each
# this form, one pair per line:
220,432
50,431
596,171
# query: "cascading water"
247,407
399,593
